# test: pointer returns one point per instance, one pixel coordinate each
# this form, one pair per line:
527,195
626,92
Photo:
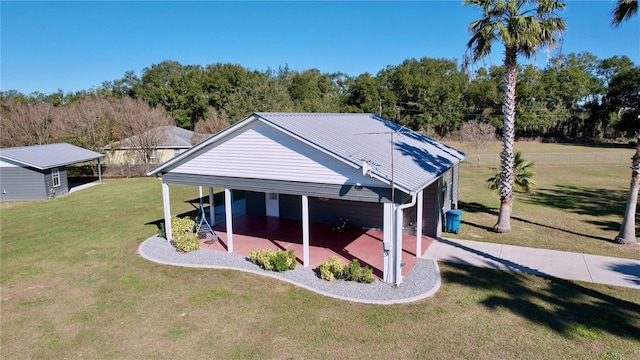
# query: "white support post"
387,242
419,225
166,204
99,172
228,209
305,231
212,208
397,248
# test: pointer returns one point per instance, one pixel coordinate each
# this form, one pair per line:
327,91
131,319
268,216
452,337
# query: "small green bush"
262,258
332,269
278,260
181,225
183,237
354,272
186,242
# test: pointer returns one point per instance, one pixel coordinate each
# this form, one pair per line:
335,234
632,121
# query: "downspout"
397,240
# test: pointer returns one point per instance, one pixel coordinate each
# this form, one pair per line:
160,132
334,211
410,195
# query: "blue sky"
46,46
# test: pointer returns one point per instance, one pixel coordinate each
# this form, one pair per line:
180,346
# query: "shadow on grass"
474,207
563,306
628,145
581,200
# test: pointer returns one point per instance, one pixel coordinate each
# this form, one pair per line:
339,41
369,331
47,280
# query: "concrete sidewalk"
560,264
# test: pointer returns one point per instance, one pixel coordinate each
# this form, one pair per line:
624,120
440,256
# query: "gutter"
397,241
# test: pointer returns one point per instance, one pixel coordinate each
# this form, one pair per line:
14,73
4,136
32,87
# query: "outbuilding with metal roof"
39,172
318,167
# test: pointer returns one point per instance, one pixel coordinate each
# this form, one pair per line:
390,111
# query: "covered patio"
251,232
284,175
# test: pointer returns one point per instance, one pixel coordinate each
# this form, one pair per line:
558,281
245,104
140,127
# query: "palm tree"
522,26
624,10
627,234
523,175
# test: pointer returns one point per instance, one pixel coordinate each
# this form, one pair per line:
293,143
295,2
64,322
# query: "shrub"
332,269
354,272
278,260
183,237
262,258
284,260
186,242
181,225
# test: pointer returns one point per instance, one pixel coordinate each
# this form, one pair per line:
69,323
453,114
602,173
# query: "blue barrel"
453,220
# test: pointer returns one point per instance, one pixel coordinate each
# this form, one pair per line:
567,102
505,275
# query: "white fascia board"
177,160
6,158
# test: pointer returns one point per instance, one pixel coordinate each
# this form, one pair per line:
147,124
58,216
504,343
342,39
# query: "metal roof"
176,138
371,141
48,156
383,148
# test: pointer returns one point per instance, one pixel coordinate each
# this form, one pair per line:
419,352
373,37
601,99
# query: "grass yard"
572,209
72,285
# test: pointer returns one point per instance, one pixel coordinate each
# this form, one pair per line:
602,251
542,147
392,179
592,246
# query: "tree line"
576,97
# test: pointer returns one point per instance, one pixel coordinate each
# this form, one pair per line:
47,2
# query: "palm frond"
624,10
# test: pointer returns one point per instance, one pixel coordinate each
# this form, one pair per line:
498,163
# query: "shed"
39,172
312,166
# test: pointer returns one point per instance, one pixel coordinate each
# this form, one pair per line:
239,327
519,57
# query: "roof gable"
262,151
48,156
365,142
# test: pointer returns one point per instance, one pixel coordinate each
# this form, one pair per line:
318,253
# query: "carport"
317,168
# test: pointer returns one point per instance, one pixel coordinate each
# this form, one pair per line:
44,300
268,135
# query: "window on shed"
55,176
154,154
176,152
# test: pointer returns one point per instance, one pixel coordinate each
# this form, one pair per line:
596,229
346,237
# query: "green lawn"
73,286
572,209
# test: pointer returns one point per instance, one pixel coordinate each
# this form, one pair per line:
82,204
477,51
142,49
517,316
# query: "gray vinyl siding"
290,207
20,183
431,210
343,192
256,204
360,214
60,190
455,185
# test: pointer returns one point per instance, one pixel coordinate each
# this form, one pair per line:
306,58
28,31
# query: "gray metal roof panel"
49,156
366,138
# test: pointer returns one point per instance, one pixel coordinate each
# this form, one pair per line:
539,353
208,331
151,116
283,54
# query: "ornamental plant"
332,269
278,260
186,242
183,237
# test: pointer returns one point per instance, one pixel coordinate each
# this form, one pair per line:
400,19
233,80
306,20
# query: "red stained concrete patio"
260,232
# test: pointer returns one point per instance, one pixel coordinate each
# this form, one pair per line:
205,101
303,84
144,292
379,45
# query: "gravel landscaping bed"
422,281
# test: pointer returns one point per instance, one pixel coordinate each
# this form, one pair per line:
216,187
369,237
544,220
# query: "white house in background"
313,167
175,141
39,172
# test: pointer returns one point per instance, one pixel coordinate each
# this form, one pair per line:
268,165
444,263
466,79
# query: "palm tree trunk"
627,233
508,138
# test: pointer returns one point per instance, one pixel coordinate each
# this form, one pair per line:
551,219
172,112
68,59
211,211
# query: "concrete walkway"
560,264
